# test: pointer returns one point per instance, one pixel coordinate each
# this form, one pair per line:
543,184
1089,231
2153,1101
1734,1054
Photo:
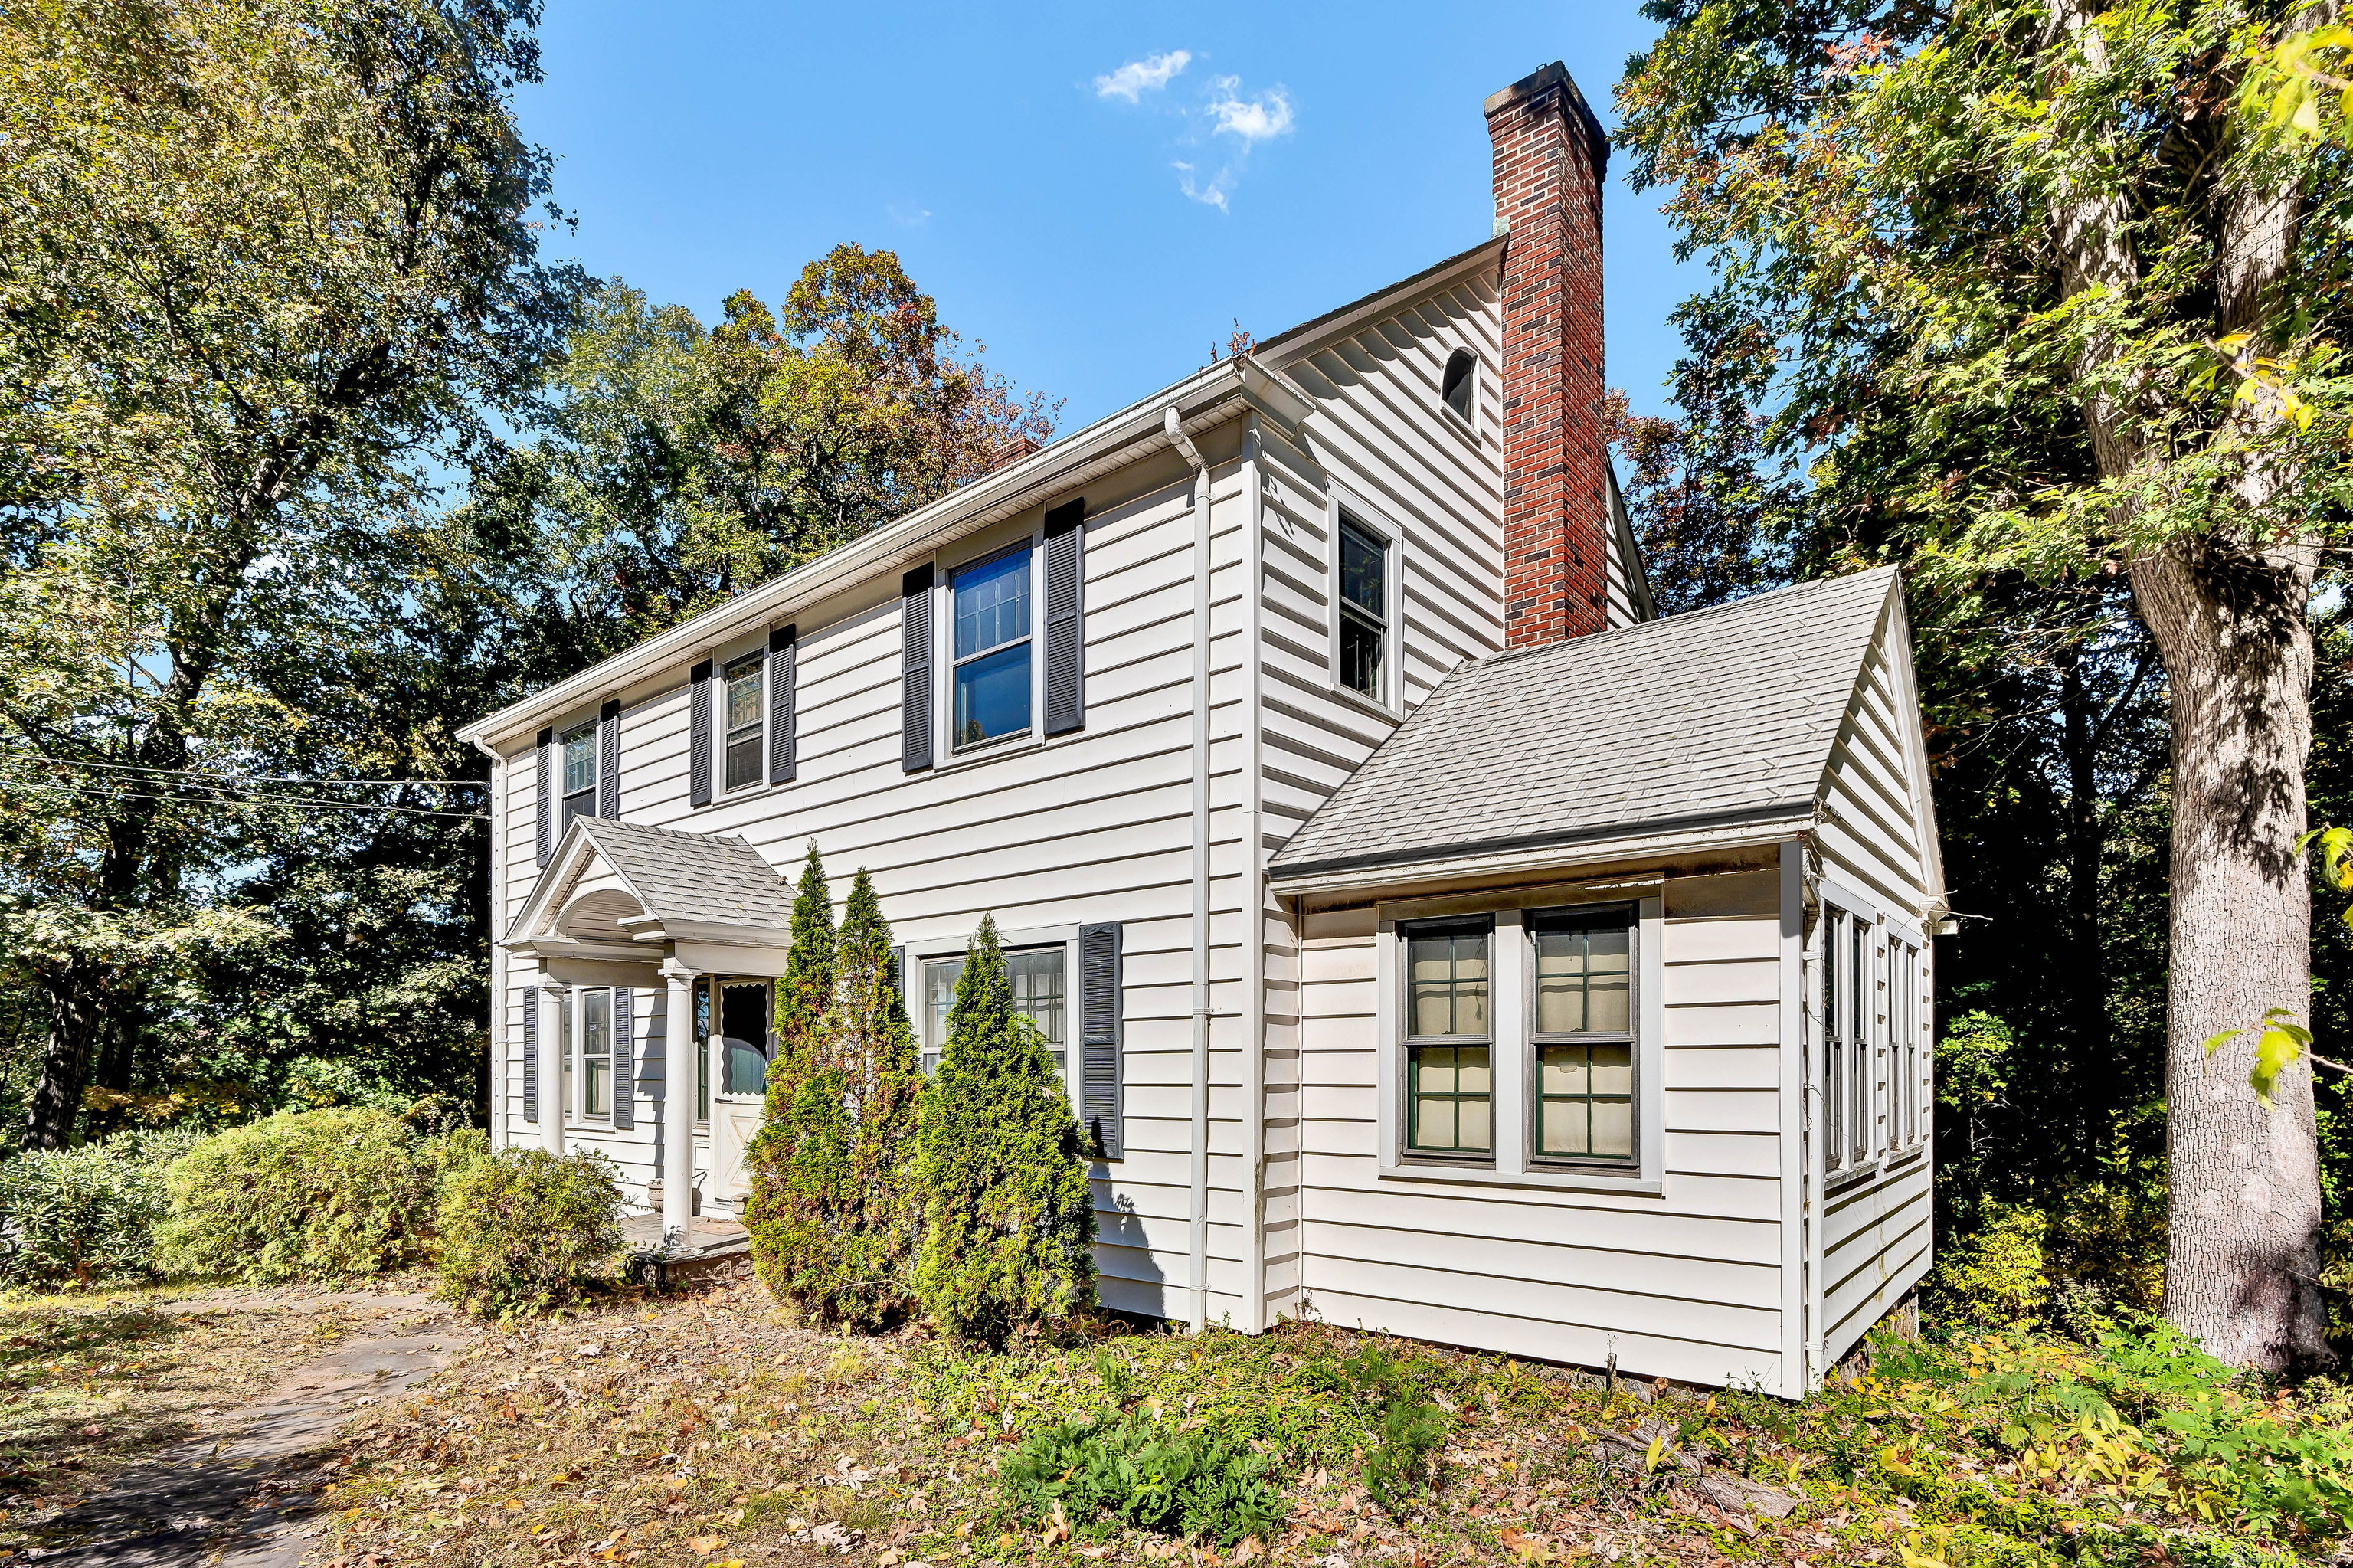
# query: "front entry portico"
645,959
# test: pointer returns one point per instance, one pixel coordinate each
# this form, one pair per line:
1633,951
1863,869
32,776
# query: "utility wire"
258,778
224,799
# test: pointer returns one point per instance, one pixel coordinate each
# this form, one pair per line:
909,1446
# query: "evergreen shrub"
308,1195
87,1216
1008,1221
523,1231
833,1212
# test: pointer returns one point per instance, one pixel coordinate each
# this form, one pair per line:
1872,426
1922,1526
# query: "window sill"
1631,1183
1457,423
1370,704
982,751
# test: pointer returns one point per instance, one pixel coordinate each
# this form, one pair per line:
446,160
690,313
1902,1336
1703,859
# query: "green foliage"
523,1231
1135,1470
307,1195
1997,1273
85,1215
1008,1219
679,463
805,992
1411,1431
833,1213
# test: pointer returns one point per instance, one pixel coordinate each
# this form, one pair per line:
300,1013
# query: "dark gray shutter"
1099,1039
608,759
899,981
531,1052
1066,658
546,794
780,704
625,1072
698,764
915,671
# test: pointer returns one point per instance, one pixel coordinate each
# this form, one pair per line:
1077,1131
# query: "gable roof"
1713,718
677,878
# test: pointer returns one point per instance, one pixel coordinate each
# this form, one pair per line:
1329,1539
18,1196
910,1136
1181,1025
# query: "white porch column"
679,1052
554,1043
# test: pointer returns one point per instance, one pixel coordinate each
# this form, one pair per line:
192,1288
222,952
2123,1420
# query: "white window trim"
1468,428
1512,1057
1391,703
573,1026
586,722
1885,1154
719,791
947,756
1063,937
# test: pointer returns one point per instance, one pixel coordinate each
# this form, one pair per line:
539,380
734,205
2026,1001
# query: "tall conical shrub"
833,1213
1008,1223
805,992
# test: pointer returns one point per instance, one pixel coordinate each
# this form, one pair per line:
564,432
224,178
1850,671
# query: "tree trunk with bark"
2243,1217
73,994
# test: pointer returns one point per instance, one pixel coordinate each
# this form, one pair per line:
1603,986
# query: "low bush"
307,1195
524,1231
1410,1429
1997,1273
87,1216
1135,1470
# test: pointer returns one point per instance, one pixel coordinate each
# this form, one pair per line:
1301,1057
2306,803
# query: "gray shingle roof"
1716,716
693,876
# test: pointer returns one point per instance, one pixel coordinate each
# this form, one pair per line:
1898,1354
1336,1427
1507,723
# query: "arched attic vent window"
1462,381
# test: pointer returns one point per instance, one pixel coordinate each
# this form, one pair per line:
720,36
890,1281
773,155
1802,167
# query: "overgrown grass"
711,1425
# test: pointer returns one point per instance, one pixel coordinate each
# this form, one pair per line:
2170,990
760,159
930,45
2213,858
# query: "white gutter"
989,499
1178,439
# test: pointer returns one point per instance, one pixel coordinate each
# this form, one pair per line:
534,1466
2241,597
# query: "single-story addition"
1434,940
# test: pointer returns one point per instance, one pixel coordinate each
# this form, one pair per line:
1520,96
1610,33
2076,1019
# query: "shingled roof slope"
1714,716
692,876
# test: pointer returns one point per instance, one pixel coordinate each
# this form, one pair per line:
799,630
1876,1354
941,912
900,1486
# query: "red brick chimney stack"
1550,159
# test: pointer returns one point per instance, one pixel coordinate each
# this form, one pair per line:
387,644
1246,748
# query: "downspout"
1201,1143
1254,882
1817,1181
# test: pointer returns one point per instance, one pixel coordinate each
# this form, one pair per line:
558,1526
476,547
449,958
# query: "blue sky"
1096,193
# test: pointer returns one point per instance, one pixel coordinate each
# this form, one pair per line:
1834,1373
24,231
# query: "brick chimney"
1551,158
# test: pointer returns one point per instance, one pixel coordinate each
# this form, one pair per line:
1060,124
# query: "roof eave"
987,498
1295,343
1611,846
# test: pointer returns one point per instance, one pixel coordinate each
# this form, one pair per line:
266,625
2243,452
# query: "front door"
741,1048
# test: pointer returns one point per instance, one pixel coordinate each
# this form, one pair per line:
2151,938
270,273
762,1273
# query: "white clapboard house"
1434,940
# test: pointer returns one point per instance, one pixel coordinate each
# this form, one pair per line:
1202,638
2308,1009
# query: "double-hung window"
1364,609
1904,1031
746,707
1847,1067
1584,1036
596,1053
579,775
991,601
1449,1051
1040,994
562,1007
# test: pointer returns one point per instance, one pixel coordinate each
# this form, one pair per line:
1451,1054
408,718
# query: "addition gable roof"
1715,718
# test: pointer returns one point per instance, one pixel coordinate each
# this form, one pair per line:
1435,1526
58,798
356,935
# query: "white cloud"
909,214
1147,75
1210,195
1257,119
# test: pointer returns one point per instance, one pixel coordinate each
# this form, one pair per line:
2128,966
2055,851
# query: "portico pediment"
611,889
